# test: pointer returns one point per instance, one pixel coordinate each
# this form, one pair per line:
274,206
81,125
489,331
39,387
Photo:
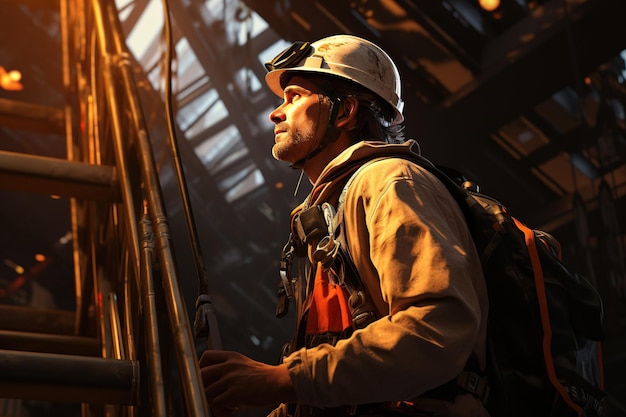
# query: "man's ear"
346,116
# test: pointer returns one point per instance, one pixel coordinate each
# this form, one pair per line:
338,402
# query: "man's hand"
232,379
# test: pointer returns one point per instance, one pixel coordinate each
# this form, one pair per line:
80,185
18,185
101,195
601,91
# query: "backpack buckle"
475,384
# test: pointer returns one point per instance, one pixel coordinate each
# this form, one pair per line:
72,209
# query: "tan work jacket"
410,244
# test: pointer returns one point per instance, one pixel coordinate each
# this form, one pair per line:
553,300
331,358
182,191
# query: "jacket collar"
337,172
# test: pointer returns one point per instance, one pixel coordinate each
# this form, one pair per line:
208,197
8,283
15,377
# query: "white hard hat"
344,56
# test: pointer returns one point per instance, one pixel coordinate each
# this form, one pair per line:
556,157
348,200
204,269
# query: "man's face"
298,128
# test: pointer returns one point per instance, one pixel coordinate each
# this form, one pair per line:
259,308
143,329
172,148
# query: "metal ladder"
108,354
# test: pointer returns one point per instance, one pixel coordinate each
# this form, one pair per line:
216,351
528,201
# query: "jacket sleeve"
410,244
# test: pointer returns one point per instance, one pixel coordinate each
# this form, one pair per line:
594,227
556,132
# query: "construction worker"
388,286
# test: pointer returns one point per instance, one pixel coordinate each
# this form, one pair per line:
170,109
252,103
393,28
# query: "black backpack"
545,320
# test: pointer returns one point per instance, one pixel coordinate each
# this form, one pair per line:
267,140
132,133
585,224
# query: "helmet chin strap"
330,135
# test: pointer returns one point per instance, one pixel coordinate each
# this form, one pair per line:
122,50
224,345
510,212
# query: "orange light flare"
10,80
24,277
489,5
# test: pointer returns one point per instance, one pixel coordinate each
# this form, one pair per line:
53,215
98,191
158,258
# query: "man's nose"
278,115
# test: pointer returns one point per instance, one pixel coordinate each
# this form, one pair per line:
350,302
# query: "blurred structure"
528,100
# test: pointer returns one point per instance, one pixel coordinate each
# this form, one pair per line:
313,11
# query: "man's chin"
280,155
276,154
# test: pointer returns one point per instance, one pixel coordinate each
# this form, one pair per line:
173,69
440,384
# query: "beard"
294,145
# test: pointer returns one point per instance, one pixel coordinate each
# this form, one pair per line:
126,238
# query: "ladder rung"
32,117
49,343
37,320
68,378
55,176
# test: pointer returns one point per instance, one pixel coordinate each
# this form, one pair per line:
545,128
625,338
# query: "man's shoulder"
391,168
376,176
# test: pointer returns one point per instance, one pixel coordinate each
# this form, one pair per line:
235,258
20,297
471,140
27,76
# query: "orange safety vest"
329,311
